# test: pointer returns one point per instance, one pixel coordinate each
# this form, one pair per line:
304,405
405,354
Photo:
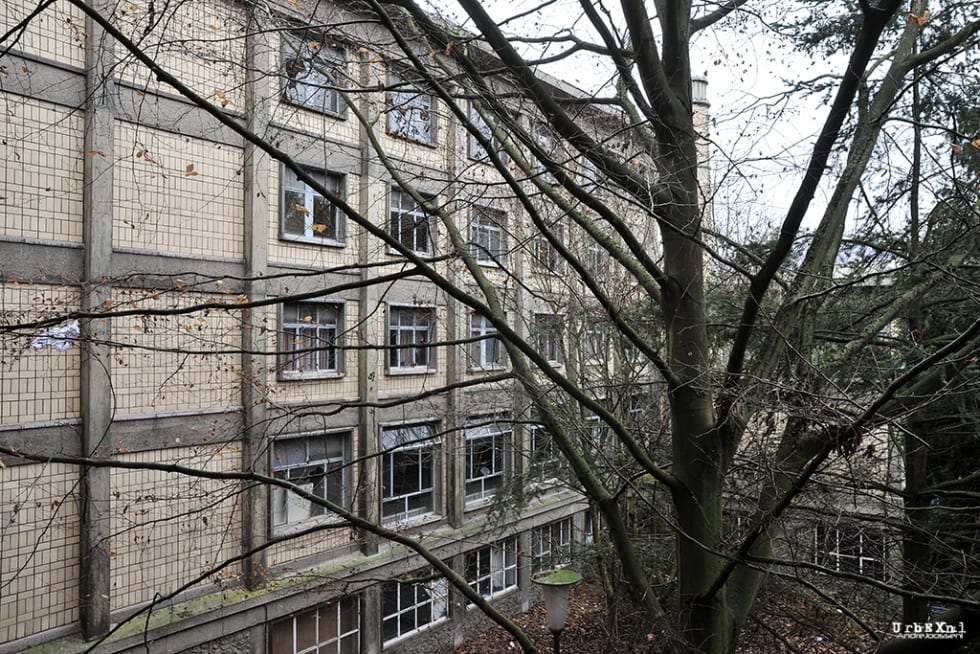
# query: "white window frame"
299,203
476,150
484,475
411,112
411,339
310,335
402,445
548,335
545,257
316,463
595,342
595,259
488,236
343,638
314,74
409,224
844,548
487,353
492,570
551,545
420,604
544,458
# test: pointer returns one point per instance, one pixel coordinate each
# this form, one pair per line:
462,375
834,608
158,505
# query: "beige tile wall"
168,528
36,385
58,33
39,542
41,179
176,194
175,363
207,57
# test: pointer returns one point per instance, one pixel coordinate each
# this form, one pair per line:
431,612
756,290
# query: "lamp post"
555,585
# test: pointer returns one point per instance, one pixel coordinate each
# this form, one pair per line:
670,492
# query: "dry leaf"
300,209
920,20
957,149
307,318
189,171
95,153
179,283
319,228
975,143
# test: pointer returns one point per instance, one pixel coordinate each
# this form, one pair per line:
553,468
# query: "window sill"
490,367
338,115
309,376
313,240
302,525
433,144
395,253
418,370
411,522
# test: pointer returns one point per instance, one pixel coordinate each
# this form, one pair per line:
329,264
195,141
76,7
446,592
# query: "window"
488,352
409,224
545,256
314,72
314,464
493,569
330,629
477,151
547,140
409,472
486,459
850,548
488,236
551,545
595,259
308,216
411,332
547,331
545,457
594,341
310,340
411,112
407,606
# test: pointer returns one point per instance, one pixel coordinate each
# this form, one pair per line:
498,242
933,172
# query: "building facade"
232,319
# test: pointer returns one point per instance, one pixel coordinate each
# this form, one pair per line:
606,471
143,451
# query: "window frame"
544,458
396,348
545,258
289,182
493,570
478,488
290,333
339,637
595,342
424,612
331,89
405,441
426,245
475,150
848,548
488,242
551,545
403,103
335,463
489,352
548,331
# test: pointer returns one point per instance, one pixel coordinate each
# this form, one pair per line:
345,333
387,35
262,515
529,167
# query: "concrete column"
371,635
373,204
255,369
96,382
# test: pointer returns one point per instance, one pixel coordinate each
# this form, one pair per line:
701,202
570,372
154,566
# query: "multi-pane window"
409,472
493,569
547,141
595,258
488,351
548,330
477,151
315,464
411,112
850,548
488,236
545,457
545,256
314,73
407,606
310,335
409,224
486,459
594,341
307,215
330,629
411,332
551,545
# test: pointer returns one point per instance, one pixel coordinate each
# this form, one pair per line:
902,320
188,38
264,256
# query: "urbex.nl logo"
937,630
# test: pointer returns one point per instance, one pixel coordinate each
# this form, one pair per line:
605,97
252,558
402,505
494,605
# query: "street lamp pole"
555,585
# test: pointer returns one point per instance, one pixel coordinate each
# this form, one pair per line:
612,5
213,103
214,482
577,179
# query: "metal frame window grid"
407,606
317,464
488,352
411,332
550,545
310,345
595,341
411,112
850,549
314,74
409,472
307,216
544,459
492,570
548,337
476,150
488,236
545,256
409,224
333,628
486,460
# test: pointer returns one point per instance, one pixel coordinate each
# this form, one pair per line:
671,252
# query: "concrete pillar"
96,382
258,165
